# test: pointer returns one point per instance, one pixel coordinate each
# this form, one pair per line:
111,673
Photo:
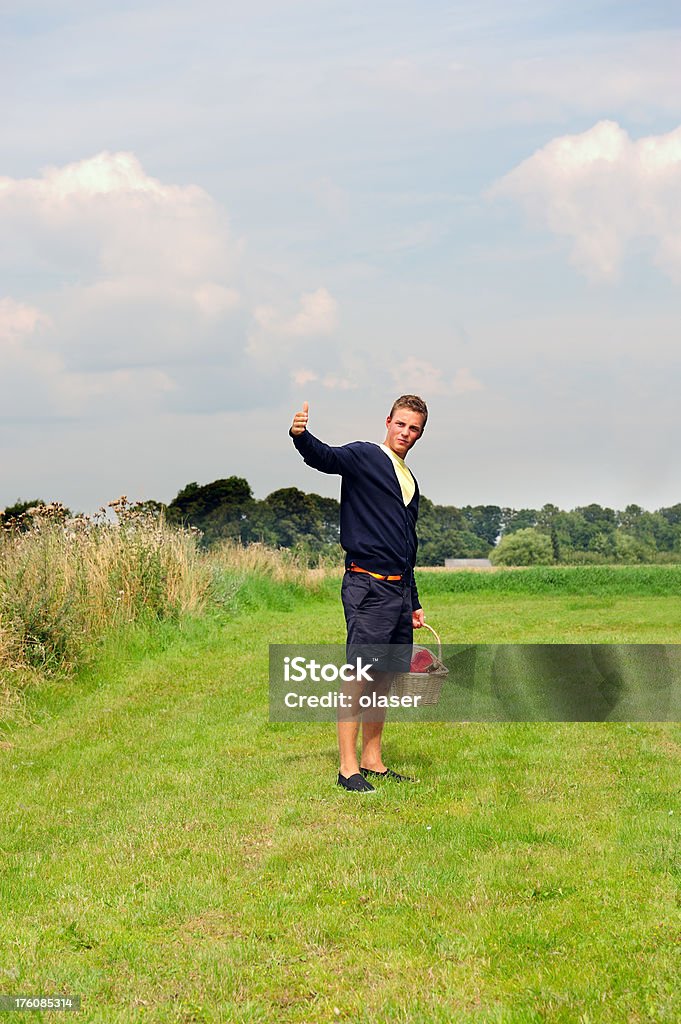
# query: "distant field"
640,580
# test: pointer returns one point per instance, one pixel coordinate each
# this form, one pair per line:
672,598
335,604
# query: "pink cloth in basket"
422,660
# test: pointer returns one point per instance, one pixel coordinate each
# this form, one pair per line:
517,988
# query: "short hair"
412,402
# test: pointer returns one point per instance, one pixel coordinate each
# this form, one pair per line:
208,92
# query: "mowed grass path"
169,855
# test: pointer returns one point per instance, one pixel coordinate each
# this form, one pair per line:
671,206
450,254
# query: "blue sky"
210,212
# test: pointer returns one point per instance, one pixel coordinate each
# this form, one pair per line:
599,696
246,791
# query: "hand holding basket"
426,685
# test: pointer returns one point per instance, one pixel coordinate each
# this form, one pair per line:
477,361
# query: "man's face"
404,430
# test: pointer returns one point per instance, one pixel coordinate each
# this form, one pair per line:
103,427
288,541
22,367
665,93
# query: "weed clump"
66,581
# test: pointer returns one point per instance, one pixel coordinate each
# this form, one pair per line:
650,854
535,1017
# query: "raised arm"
317,454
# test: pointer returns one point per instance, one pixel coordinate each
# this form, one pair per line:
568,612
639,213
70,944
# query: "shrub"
523,547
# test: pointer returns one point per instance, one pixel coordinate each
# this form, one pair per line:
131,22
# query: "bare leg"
372,726
348,728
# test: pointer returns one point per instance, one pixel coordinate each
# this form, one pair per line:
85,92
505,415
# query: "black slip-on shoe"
356,783
387,774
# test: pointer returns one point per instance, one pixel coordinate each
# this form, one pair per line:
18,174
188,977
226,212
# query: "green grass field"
169,855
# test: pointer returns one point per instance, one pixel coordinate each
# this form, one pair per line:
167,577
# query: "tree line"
291,518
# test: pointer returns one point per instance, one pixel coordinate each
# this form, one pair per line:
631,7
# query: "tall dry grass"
247,579
66,581
9,697
282,565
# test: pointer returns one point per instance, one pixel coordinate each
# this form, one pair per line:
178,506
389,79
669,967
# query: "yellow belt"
376,575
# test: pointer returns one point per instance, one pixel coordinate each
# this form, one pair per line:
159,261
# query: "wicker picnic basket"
426,685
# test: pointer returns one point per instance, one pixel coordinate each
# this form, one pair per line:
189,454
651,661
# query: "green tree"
289,516
445,532
328,515
598,530
548,521
517,519
669,536
220,509
630,549
523,547
484,521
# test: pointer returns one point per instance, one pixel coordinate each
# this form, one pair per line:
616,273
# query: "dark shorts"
378,614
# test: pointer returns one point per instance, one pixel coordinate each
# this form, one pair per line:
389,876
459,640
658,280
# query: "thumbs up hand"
300,421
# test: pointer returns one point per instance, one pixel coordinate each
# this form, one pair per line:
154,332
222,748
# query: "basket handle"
439,642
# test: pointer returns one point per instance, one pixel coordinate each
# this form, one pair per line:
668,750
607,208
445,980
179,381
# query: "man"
379,508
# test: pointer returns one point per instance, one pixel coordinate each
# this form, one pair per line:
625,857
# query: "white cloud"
19,351
132,298
129,278
27,369
317,314
302,377
214,299
608,194
278,333
130,269
463,381
421,377
333,382
16,321
100,175
127,223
